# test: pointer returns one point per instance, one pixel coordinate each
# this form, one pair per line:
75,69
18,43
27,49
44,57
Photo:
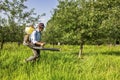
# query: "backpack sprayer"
28,31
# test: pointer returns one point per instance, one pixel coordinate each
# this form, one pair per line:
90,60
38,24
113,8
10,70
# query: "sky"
42,6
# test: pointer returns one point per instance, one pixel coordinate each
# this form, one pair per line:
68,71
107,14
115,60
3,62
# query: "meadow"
98,63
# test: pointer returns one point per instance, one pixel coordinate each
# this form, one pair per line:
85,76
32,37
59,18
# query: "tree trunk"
2,43
81,50
19,43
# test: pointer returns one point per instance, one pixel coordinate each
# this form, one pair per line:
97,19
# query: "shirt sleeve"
34,37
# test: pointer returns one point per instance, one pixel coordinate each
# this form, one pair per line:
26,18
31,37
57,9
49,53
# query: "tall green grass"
98,63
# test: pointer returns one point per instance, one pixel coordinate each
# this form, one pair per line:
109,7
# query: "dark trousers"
36,55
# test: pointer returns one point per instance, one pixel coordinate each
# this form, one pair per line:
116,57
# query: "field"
98,63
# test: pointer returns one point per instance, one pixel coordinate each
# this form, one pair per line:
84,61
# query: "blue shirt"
35,36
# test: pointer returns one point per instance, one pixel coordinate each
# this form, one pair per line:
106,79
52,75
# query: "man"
35,39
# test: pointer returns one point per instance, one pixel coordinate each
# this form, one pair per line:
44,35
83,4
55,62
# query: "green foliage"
14,17
90,21
53,33
99,62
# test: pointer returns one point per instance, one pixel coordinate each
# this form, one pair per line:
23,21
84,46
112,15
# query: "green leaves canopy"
90,21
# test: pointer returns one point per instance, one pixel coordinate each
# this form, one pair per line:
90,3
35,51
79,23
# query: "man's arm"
40,43
34,40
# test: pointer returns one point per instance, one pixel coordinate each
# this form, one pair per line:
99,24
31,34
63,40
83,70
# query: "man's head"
41,26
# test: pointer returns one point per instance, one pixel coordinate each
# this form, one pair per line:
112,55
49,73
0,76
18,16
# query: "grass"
98,63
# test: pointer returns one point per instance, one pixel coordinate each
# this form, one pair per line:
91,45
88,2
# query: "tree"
15,18
84,21
111,25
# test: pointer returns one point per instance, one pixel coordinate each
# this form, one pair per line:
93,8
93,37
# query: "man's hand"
40,44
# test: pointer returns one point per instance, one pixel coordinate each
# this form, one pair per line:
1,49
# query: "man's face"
40,28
